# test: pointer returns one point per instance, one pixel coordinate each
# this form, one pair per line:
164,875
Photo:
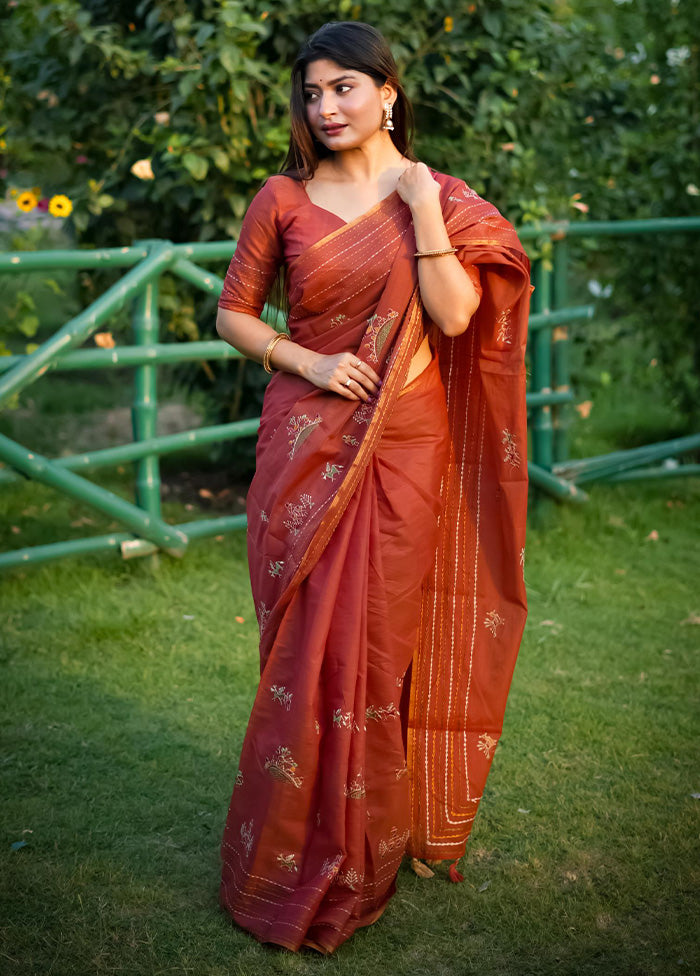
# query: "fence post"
561,346
542,369
144,410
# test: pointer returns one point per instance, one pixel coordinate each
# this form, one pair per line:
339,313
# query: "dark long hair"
355,46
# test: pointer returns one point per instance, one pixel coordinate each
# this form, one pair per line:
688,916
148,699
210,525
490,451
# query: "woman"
386,518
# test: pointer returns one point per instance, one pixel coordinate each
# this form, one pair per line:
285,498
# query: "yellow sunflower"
60,206
27,201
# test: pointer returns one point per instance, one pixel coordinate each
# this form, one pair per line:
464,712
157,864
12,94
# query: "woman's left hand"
416,185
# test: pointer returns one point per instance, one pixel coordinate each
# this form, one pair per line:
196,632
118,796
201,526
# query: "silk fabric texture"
386,554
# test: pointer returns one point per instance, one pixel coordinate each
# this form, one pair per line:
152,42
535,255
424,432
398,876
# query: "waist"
420,361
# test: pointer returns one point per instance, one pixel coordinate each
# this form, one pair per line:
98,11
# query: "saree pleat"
385,544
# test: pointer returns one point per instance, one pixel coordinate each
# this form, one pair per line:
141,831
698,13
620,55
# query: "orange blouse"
281,222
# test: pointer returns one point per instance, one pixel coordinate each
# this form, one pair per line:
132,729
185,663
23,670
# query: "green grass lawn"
126,692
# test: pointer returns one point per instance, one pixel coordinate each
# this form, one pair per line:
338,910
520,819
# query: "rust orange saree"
386,546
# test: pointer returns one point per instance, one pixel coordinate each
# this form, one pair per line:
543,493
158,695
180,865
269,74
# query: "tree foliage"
548,108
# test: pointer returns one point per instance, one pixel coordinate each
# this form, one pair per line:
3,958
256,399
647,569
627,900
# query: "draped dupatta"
357,289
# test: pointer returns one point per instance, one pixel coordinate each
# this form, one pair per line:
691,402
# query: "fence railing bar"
122,541
602,465
556,487
41,469
165,444
86,322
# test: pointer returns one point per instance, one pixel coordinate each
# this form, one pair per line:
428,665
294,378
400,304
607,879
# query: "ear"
388,92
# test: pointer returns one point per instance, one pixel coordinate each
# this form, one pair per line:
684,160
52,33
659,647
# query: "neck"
369,163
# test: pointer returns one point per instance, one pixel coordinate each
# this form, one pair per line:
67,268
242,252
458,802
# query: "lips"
332,130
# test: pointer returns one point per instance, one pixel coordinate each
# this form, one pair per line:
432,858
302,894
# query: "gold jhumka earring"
387,123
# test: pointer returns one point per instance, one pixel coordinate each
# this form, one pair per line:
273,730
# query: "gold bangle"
268,351
430,254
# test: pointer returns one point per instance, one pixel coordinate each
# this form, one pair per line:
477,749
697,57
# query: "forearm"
446,290
251,336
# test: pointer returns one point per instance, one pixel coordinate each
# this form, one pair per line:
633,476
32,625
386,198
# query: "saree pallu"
386,545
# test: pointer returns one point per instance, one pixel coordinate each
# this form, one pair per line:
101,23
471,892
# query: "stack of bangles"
432,254
268,351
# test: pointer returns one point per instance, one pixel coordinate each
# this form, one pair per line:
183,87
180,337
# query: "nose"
327,108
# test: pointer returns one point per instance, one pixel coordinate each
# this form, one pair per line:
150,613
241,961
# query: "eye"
349,87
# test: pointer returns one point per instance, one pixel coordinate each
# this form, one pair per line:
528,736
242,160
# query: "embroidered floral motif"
239,778
341,719
522,560
338,319
383,712
493,621
397,841
318,818
364,412
356,790
505,333
298,429
401,772
288,862
299,513
317,727
486,744
331,471
330,866
467,194
263,516
247,836
349,879
275,568
351,440
378,328
510,449
282,696
263,614
399,680
281,765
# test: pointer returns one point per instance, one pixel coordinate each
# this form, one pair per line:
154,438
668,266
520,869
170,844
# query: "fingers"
354,379
366,370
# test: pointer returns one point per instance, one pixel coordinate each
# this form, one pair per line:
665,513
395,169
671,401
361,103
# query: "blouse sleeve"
257,257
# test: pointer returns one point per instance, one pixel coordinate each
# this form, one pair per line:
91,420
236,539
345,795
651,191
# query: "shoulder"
277,196
454,188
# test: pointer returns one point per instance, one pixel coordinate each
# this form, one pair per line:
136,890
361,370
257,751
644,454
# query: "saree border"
396,372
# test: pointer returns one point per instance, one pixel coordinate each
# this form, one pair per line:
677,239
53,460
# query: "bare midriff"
420,361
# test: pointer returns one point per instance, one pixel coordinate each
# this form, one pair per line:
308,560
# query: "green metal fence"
145,531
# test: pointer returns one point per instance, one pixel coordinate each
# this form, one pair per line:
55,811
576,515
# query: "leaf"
421,869
484,886
197,166
29,325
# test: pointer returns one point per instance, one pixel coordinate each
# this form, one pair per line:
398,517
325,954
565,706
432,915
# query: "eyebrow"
334,82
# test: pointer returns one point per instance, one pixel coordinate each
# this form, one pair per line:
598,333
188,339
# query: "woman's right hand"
333,373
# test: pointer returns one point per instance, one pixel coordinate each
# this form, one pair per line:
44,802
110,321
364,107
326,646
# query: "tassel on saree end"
421,869
455,875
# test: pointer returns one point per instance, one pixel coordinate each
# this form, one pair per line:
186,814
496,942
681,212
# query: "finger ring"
358,363
348,381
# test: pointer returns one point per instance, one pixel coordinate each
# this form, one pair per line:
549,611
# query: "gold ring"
348,381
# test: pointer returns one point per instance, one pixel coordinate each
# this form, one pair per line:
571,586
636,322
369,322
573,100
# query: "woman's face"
344,107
